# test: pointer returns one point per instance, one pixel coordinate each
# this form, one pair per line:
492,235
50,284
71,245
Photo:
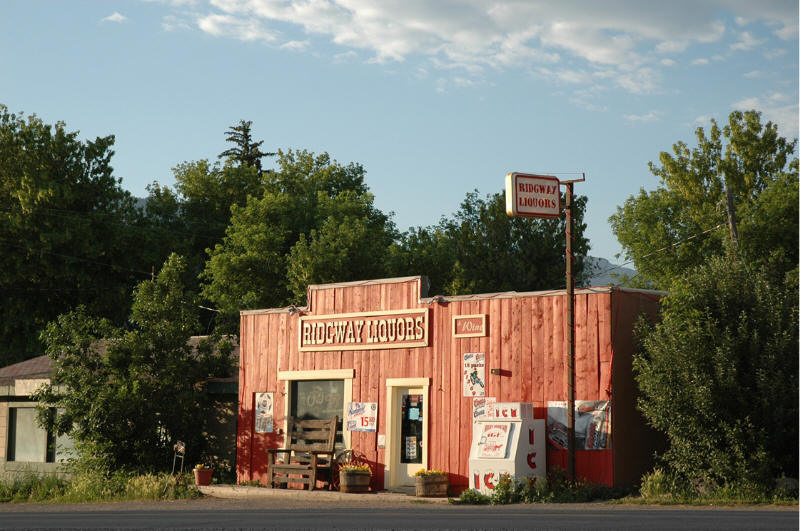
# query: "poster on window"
592,425
411,447
362,416
264,413
483,407
493,441
474,374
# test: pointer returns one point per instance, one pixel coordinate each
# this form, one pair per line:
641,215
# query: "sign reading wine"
364,331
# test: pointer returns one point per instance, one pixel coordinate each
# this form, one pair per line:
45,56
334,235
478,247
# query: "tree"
245,152
481,249
718,375
684,221
66,230
126,396
314,222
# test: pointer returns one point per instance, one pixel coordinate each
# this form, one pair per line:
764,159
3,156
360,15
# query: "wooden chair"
309,449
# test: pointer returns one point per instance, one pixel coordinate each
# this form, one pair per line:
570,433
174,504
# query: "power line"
662,249
77,258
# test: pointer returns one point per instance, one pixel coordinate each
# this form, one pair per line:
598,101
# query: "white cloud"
295,46
700,61
651,116
173,23
243,29
747,42
754,74
115,17
622,39
774,54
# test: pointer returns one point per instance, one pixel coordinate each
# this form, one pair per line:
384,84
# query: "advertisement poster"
411,447
362,416
493,441
483,407
264,413
474,374
592,424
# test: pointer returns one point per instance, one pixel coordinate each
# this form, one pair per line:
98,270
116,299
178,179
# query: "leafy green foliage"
315,222
555,488
481,249
127,395
660,486
718,375
85,487
66,230
758,167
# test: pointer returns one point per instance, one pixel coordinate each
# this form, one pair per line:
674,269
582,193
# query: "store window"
318,400
319,395
28,442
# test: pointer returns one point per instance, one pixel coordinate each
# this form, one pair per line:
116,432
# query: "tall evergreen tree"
245,152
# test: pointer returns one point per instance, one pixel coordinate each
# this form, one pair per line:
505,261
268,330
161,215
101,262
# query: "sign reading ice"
536,196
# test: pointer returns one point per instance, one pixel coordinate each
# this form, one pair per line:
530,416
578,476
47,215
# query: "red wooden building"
384,343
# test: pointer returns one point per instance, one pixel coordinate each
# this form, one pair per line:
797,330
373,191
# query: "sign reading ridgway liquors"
536,196
364,331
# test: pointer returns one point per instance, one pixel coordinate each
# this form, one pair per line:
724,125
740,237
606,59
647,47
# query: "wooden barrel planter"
433,486
202,476
355,481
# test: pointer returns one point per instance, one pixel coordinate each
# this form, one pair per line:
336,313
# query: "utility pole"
570,338
731,215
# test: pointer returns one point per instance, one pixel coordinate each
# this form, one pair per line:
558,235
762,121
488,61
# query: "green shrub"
86,486
555,488
718,375
661,486
32,488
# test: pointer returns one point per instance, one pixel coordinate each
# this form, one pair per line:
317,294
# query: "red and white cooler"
510,441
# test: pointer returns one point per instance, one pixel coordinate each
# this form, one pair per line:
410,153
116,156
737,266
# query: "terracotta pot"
202,476
431,486
354,480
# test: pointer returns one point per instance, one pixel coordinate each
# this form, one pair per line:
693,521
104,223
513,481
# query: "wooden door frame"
391,416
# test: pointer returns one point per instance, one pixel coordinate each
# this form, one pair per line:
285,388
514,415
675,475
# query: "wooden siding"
525,339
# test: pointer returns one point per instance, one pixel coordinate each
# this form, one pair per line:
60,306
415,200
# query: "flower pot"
202,476
434,486
354,480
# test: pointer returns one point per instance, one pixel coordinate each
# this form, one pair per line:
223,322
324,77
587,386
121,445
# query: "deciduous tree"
718,375
126,396
684,221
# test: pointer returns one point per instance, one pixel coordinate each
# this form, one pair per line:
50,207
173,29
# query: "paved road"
298,513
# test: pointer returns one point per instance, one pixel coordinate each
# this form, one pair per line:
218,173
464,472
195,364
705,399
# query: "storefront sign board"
364,331
469,325
536,196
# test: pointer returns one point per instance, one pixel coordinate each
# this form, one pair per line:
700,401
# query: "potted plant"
354,478
202,475
431,483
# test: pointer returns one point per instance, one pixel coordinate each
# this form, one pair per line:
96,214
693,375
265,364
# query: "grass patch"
663,488
86,487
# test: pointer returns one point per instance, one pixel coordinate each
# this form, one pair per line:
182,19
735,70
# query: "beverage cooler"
508,441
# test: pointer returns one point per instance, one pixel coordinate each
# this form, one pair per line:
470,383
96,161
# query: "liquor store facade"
408,375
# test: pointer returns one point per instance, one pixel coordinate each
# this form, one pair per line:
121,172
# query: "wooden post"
570,338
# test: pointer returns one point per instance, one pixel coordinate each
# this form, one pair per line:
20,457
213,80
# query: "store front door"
407,443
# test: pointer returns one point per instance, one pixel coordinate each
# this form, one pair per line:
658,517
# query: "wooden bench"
309,449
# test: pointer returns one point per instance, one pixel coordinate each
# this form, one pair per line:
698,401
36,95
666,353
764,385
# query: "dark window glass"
318,399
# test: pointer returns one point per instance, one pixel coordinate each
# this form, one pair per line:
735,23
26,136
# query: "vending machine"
509,441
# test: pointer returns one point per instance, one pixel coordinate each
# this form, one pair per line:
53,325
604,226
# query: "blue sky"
434,98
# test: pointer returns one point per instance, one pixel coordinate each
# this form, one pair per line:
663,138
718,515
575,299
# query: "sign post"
539,196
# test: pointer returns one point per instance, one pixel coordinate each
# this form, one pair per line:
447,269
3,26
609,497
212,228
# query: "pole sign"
532,196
